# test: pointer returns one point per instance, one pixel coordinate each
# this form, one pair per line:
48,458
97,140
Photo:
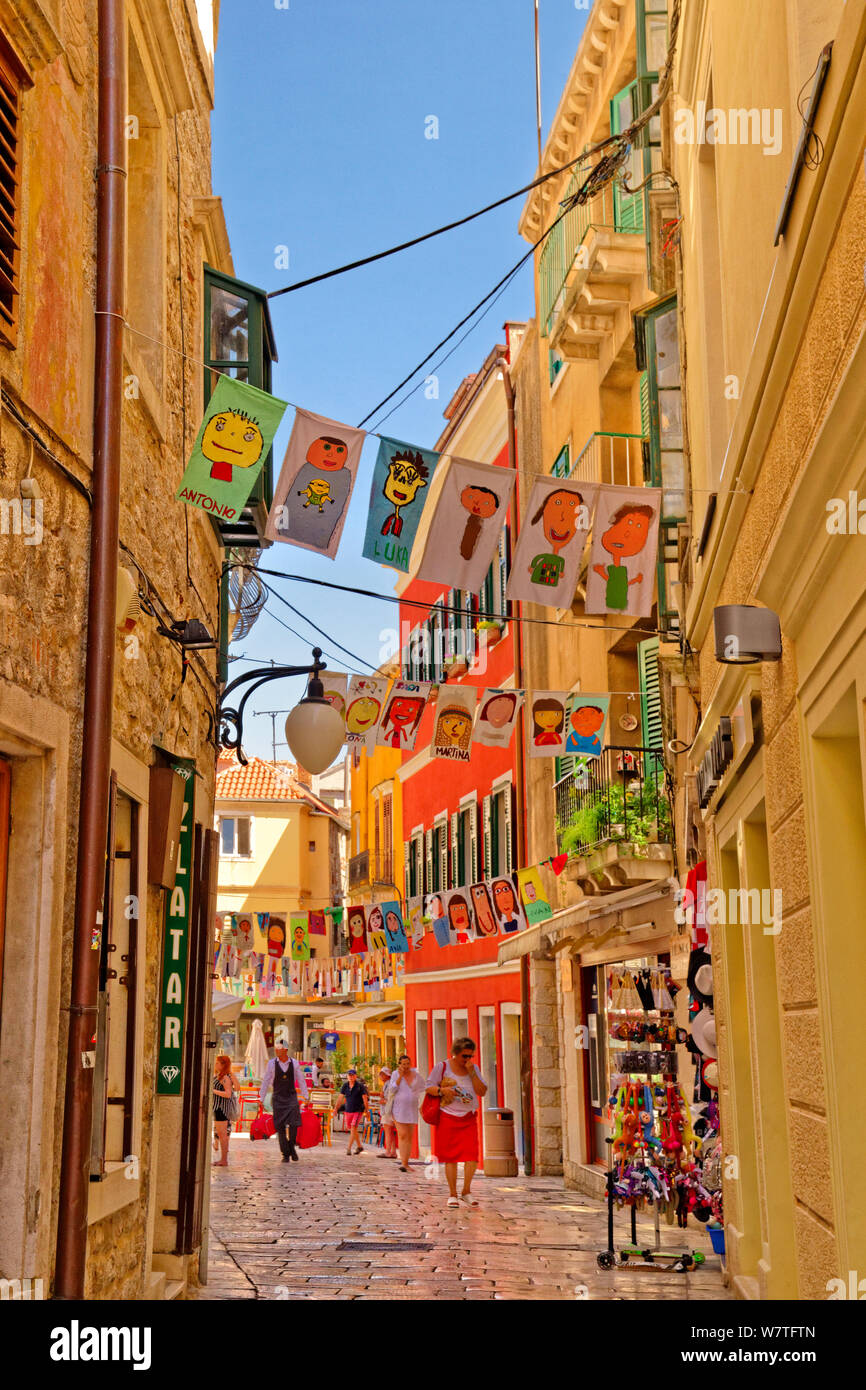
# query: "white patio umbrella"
257,1050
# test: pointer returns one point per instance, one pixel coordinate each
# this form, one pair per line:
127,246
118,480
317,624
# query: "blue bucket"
717,1239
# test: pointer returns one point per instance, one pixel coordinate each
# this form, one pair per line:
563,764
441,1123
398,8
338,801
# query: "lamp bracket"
231,718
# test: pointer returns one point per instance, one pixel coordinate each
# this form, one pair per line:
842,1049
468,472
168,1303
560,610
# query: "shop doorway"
511,1094
440,1038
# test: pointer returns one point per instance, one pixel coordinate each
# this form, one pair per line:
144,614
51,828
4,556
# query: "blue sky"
319,146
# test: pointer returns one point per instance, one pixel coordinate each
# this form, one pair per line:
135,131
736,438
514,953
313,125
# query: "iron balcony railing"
368,868
622,795
562,245
610,458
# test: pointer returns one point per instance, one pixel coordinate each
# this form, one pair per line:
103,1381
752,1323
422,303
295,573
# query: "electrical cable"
500,284
318,630
438,231
275,618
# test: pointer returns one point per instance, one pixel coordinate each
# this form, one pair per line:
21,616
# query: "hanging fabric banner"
317,924
260,933
245,934
546,724
452,722
357,920
436,911
586,724
300,934
276,937
416,922
497,715
395,931
376,939
311,498
398,727
464,532
507,907
533,896
401,479
482,906
230,449
547,559
622,563
334,686
461,922
364,703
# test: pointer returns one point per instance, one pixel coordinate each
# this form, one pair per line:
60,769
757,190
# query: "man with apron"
290,1087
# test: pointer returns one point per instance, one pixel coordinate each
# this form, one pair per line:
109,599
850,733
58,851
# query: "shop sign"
175,949
716,760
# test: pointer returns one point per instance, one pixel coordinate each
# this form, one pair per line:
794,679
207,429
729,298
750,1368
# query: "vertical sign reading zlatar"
175,948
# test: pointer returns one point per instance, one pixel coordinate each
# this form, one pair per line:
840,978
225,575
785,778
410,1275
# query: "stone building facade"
774,313
173,559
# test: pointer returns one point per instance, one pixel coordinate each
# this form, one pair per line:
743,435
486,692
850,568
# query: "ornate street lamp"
314,729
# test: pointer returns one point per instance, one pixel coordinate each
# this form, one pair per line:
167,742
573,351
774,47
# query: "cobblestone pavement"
334,1227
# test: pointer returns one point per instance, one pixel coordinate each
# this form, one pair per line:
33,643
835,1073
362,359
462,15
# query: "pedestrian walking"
406,1089
355,1101
289,1084
386,1119
458,1084
225,1107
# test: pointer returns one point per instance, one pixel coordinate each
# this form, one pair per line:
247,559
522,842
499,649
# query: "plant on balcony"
489,631
619,814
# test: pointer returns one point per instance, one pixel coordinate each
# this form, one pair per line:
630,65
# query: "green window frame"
652,732
657,350
562,463
651,26
630,209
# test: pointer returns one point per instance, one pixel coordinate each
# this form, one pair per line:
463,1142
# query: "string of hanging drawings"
467,509
270,954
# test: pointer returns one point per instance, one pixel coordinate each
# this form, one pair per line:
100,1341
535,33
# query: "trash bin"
500,1158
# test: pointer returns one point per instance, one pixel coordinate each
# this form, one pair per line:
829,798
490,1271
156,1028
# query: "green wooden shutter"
443,855
627,208
509,809
473,839
456,856
428,848
503,571
644,405
407,869
488,844
650,693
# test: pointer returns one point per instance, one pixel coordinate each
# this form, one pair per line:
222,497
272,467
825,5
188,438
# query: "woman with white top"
405,1090
458,1085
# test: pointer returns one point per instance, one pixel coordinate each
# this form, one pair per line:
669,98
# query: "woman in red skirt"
458,1085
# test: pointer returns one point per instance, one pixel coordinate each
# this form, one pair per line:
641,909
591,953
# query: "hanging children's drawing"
398,726
533,896
364,702
334,687
587,717
547,558
497,715
545,723
507,907
311,498
452,722
299,932
461,920
376,939
437,912
401,485
230,449
464,532
622,561
356,921
395,931
482,906
416,922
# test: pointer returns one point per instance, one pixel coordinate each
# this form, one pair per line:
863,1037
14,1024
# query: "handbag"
431,1107
310,1130
232,1107
263,1125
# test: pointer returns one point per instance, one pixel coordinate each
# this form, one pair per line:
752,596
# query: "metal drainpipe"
525,1011
99,670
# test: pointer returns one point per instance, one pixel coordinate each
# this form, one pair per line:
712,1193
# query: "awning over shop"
320,1009
226,1007
591,921
363,1013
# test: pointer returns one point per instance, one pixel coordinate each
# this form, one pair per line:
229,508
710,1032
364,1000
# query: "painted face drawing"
481,503
407,474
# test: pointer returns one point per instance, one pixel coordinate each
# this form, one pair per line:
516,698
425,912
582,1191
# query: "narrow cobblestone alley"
334,1227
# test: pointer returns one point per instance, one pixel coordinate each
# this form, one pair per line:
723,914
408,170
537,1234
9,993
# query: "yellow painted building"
280,845
773,250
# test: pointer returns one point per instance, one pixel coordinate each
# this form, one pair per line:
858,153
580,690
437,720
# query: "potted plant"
489,631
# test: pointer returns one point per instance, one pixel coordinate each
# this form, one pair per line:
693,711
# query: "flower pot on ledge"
456,668
489,633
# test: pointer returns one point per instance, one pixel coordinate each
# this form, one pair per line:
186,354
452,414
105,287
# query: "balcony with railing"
586,270
613,815
370,869
610,458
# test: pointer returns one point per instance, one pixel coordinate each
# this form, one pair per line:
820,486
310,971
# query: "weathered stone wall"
43,587
543,1002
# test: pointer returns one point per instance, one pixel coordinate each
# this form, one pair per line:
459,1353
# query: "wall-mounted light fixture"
746,634
315,731
191,634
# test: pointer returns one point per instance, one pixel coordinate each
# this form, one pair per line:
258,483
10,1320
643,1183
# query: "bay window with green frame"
239,342
631,209
657,352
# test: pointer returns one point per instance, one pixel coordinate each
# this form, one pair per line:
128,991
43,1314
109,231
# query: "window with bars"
13,81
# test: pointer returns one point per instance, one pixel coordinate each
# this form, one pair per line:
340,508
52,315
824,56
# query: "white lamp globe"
315,731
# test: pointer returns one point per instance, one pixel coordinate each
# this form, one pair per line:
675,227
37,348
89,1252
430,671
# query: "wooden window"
387,839
13,81
236,837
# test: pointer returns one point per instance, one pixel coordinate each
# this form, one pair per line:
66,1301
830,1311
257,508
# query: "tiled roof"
263,781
